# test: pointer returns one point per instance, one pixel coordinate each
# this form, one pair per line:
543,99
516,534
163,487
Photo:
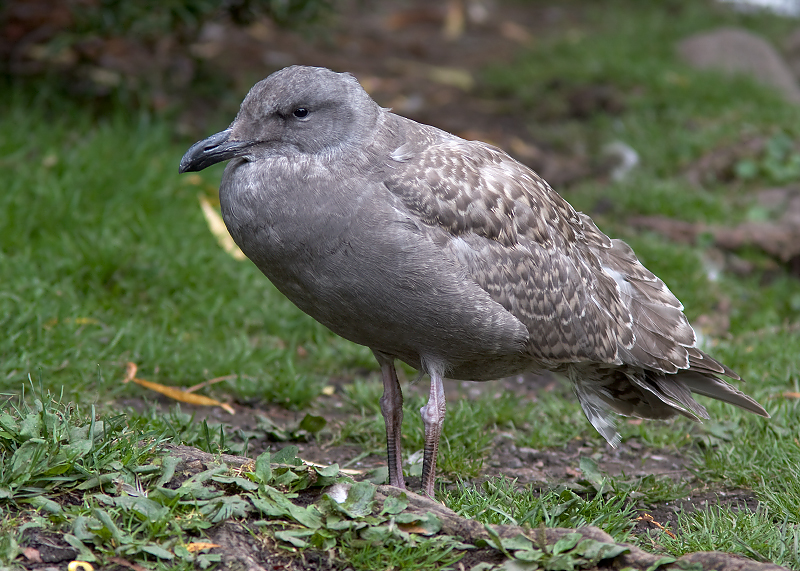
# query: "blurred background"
673,123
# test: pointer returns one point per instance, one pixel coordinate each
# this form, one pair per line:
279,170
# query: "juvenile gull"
448,255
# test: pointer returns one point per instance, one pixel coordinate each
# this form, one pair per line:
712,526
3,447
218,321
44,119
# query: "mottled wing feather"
523,244
593,311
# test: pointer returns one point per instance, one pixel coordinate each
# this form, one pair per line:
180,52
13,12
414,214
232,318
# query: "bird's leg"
392,409
433,419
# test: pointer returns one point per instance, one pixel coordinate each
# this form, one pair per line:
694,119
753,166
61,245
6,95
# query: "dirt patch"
542,467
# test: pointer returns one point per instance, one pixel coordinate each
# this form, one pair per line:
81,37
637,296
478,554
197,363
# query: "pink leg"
433,419
392,409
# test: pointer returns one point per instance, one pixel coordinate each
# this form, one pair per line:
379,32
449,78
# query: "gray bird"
448,255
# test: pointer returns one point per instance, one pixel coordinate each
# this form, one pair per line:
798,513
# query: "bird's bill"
210,151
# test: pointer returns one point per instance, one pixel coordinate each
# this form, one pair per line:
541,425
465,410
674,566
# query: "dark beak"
210,151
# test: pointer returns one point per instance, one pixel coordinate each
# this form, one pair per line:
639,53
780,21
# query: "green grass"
499,501
760,535
105,258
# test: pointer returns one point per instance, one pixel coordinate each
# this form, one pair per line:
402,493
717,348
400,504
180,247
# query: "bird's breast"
351,259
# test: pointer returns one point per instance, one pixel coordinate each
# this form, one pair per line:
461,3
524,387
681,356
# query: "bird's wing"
582,296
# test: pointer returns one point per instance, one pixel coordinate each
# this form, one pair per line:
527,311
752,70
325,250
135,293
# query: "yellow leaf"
130,372
75,565
413,528
218,229
199,546
173,392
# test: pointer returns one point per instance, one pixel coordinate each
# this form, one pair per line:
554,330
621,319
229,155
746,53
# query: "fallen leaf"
454,20
75,565
515,32
130,372
209,382
647,518
218,229
173,392
791,395
199,546
412,528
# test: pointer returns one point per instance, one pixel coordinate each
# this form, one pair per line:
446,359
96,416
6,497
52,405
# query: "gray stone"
737,51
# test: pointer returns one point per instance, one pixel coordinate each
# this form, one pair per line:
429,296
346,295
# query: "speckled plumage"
449,255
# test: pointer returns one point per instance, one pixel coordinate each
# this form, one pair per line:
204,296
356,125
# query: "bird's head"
297,110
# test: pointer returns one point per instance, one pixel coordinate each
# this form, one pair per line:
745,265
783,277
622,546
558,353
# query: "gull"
448,255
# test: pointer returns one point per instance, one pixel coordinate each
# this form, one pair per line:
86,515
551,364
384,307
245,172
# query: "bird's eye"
300,112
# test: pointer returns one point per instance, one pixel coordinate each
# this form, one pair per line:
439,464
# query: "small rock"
734,50
529,454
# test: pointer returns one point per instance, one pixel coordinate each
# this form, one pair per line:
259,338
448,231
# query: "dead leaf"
791,395
515,32
413,528
130,372
454,20
208,383
172,392
199,546
218,229
647,518
75,565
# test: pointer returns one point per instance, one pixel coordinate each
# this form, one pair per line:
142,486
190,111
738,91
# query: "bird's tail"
650,394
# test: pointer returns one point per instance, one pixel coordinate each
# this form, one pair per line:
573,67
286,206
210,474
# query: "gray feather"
432,249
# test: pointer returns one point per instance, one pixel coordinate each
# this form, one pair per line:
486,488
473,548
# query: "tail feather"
699,361
652,394
710,386
671,390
